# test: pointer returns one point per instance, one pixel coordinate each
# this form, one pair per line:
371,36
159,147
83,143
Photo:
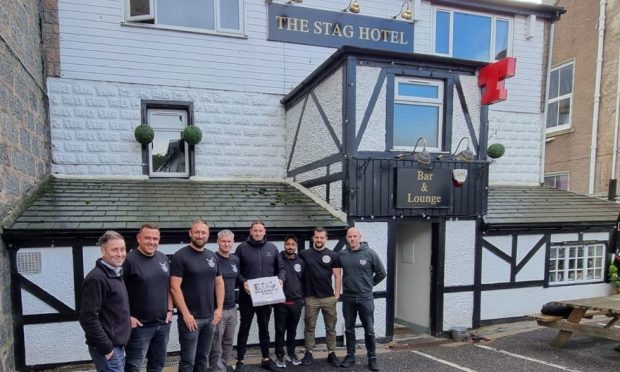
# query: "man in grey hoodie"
361,271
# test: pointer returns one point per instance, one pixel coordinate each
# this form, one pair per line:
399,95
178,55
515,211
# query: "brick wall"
24,132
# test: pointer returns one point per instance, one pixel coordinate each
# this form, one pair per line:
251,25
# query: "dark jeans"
149,341
246,312
286,318
365,307
195,346
114,364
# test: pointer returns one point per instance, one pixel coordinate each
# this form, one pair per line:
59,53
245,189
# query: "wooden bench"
544,318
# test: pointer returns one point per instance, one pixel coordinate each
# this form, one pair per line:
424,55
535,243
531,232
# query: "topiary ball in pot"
192,135
144,134
496,150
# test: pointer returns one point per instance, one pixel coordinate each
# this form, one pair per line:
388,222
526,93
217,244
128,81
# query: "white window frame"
170,112
549,101
145,20
494,20
424,101
559,174
566,271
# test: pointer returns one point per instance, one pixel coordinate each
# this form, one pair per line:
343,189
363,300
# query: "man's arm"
378,269
179,300
93,293
219,299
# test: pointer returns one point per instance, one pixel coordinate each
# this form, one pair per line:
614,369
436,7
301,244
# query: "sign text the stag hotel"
301,25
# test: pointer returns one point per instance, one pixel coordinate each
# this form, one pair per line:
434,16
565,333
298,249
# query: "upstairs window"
168,154
579,263
557,181
559,97
418,113
212,15
471,36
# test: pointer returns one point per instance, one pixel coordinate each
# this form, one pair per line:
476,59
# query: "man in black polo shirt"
222,348
147,277
321,264
195,281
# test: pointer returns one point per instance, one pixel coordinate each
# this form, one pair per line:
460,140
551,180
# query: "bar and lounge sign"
422,188
301,25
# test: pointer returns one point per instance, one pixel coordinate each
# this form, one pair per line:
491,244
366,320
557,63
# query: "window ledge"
550,133
183,29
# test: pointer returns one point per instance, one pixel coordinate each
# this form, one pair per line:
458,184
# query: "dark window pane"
501,39
138,8
186,13
552,115
554,84
414,121
566,80
442,32
418,90
471,36
168,152
564,111
229,14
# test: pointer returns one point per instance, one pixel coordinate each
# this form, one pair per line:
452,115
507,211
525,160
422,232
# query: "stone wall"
24,132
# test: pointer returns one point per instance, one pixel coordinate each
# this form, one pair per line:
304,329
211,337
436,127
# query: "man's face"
199,234
114,252
354,238
148,241
290,247
319,239
225,243
258,232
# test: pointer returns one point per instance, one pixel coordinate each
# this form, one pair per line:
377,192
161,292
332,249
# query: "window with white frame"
576,263
558,181
224,16
471,36
418,113
168,154
559,97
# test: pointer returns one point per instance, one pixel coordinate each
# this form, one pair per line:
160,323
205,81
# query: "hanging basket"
144,134
496,151
192,135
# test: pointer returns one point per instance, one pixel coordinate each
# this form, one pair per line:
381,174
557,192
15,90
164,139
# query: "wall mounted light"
422,157
406,13
466,155
353,7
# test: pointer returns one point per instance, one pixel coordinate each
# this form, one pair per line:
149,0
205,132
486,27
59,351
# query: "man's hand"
217,316
246,286
135,322
337,295
281,283
190,322
168,317
108,356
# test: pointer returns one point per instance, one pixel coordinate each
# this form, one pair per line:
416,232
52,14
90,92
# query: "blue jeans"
365,307
223,340
195,346
149,341
114,364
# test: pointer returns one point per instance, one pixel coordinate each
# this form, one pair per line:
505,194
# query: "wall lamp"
422,157
466,155
353,7
406,13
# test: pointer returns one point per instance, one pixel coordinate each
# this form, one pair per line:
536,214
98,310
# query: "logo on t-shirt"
326,259
297,267
233,267
164,267
362,262
211,262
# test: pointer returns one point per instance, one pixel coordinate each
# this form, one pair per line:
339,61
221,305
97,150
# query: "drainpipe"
614,154
597,94
543,134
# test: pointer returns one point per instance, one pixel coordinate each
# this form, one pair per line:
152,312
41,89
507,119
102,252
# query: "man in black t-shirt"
196,280
147,277
222,348
321,265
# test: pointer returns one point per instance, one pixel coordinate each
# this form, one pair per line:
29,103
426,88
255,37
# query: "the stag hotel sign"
302,25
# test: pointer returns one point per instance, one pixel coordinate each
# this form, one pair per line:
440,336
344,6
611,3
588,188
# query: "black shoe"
308,359
239,367
294,360
280,363
348,361
332,359
372,364
269,365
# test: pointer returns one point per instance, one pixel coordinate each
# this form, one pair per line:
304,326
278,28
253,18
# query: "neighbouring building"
310,115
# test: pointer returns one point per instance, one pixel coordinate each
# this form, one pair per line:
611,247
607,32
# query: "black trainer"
372,364
294,360
348,361
269,365
332,360
239,367
308,359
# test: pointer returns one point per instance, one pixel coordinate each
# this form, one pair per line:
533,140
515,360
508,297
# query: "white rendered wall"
460,248
374,136
458,309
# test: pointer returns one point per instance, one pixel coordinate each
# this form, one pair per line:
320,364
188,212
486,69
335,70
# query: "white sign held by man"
266,291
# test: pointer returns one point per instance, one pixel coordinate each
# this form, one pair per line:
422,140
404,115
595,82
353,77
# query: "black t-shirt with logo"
293,287
198,270
147,279
318,271
229,266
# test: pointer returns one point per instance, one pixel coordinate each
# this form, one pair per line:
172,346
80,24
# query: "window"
559,97
418,113
471,36
168,154
576,263
558,181
212,15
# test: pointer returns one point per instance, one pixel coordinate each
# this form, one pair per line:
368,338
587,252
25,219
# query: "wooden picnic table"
608,306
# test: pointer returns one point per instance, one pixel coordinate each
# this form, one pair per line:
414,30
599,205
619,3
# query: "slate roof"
544,206
95,204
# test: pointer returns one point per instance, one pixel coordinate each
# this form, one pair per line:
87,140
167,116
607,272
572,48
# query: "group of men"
128,299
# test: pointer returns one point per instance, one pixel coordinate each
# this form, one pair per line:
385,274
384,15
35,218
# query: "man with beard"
195,281
287,314
321,264
258,258
147,278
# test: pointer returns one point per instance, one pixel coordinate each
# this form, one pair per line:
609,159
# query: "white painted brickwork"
93,123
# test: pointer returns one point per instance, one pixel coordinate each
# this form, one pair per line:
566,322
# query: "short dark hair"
199,220
320,229
256,222
293,237
107,236
148,225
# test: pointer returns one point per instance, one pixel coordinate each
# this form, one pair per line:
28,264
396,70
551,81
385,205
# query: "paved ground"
521,346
